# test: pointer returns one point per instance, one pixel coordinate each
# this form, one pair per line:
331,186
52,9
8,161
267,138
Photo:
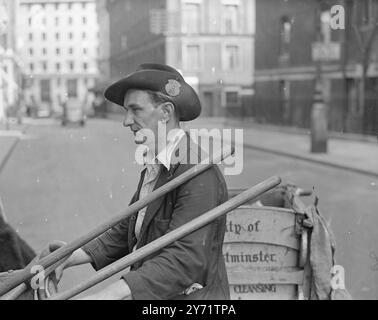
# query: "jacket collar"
183,153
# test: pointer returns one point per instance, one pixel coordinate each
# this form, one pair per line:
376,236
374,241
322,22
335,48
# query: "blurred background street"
300,77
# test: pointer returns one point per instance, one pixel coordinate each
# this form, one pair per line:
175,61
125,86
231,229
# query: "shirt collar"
165,156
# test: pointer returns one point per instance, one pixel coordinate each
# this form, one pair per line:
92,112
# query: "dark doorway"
209,104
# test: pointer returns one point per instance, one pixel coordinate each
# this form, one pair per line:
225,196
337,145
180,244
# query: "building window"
85,66
84,19
57,36
70,20
56,21
31,67
232,98
70,50
44,65
57,65
44,51
72,88
69,6
30,36
57,51
231,18
191,17
85,50
84,35
31,51
30,21
84,5
43,36
70,35
192,57
71,65
45,90
231,57
44,21
56,6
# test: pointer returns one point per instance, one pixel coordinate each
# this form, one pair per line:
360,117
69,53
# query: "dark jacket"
15,253
196,258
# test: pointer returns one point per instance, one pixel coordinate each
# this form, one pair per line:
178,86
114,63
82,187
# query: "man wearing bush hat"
157,96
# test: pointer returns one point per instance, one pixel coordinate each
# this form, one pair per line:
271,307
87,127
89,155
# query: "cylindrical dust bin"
261,252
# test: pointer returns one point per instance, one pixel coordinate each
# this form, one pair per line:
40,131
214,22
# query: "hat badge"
173,87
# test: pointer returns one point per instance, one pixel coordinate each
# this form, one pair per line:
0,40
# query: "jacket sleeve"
184,262
110,246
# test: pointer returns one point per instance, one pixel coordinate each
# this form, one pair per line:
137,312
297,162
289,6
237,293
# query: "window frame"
185,54
184,23
224,56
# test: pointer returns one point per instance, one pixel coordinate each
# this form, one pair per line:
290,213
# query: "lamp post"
319,118
319,123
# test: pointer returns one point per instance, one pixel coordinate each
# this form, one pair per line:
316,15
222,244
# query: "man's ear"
168,110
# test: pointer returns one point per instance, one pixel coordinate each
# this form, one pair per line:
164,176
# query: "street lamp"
319,119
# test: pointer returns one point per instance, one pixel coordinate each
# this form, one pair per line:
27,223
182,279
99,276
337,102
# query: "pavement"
358,153
355,153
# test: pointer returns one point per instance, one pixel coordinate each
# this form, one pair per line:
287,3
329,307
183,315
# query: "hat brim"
186,100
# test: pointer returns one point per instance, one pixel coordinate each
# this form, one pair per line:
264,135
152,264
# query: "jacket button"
132,218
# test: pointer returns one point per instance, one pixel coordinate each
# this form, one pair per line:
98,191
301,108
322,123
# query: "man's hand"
116,291
55,245
76,258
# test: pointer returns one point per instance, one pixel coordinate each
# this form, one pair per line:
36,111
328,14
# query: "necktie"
149,181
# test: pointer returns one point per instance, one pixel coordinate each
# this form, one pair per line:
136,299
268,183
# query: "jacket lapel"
135,199
154,206
190,153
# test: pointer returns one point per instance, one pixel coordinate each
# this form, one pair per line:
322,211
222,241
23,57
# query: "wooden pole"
21,288
170,237
62,252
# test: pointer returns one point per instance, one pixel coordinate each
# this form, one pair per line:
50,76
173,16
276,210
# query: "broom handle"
21,288
170,237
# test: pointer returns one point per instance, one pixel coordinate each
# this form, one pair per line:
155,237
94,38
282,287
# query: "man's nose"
129,119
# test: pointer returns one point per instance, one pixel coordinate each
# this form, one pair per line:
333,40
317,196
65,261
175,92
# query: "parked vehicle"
73,112
43,111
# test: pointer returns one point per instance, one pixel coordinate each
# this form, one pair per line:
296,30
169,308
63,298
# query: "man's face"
141,113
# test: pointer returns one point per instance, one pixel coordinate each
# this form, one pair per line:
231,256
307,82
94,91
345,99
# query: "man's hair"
158,98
